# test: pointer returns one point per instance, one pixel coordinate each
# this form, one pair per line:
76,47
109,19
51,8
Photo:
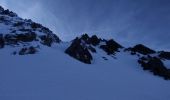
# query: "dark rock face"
2,42
46,40
79,52
49,39
1,9
80,47
142,49
29,50
14,39
24,30
35,25
155,65
164,55
2,19
7,12
27,37
111,47
85,38
24,33
94,40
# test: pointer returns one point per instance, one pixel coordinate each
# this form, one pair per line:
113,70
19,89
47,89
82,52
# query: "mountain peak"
17,32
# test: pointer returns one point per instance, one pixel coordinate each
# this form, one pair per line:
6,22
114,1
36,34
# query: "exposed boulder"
79,51
142,49
111,47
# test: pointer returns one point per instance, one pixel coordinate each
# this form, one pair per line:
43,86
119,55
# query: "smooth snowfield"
53,75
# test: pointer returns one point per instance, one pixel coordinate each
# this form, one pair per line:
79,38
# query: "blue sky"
127,21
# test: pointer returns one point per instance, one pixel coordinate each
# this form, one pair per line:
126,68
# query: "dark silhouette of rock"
29,50
55,38
104,58
141,49
111,47
85,37
32,50
27,37
2,19
49,39
94,40
25,30
35,25
79,51
46,40
155,65
1,9
7,12
23,51
14,39
2,42
165,55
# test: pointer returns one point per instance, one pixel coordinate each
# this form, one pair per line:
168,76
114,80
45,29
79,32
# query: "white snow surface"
53,75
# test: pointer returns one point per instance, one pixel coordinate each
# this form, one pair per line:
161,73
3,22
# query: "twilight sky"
127,21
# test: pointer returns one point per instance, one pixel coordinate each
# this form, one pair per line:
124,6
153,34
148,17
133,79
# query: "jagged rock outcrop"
164,55
111,47
140,48
81,47
28,50
7,12
93,40
79,51
18,32
155,65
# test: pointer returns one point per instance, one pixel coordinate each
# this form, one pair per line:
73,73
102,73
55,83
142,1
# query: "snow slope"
52,75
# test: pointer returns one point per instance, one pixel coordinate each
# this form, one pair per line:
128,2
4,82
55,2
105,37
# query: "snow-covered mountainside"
37,65
22,34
